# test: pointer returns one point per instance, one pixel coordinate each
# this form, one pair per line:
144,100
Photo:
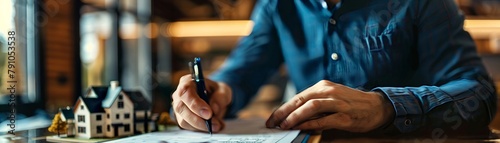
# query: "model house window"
127,128
99,129
107,115
117,116
109,128
81,107
120,104
81,129
81,118
98,117
120,97
127,115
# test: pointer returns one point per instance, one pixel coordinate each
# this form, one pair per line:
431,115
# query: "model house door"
116,131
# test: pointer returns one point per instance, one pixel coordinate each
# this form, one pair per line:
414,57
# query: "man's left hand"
328,105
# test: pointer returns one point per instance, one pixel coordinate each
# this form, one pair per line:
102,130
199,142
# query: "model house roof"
140,102
111,96
94,105
67,113
100,91
100,97
93,99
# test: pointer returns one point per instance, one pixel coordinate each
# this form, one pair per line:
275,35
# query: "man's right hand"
191,111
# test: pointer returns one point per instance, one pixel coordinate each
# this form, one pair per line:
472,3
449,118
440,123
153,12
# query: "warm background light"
483,28
486,33
209,28
244,27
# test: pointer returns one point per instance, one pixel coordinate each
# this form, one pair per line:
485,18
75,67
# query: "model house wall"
82,120
97,126
120,116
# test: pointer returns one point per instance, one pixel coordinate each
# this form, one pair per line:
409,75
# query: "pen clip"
191,70
196,70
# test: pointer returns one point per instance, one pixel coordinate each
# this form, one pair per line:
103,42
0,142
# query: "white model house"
144,121
111,112
68,117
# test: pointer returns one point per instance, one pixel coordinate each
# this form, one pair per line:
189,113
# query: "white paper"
236,131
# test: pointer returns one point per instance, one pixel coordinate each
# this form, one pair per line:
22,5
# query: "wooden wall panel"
59,53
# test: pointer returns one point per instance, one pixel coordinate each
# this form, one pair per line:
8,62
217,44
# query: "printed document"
240,130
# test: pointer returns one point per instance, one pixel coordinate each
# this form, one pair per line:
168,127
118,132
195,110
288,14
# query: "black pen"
197,75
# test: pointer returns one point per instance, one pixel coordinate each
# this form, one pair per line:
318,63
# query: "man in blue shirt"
359,65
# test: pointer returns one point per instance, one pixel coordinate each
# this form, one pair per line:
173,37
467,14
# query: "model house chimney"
114,84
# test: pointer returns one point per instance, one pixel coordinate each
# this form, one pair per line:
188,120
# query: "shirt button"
407,122
335,56
332,21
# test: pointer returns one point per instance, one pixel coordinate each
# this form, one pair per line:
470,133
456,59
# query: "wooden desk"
492,136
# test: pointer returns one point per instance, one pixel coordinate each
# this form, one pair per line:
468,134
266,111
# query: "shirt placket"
332,56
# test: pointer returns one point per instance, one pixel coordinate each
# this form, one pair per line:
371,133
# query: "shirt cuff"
408,114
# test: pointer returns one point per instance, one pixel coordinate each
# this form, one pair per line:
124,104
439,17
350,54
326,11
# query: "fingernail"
271,124
204,114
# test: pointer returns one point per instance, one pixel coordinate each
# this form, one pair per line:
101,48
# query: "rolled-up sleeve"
459,91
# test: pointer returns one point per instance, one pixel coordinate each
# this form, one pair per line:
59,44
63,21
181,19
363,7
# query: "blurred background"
65,46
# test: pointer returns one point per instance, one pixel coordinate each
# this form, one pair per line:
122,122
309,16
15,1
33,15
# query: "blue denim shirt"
414,51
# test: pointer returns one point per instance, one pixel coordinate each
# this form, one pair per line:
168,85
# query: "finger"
215,108
217,125
193,101
339,121
319,90
311,109
183,124
282,112
185,79
220,99
184,85
211,86
219,111
184,114
222,94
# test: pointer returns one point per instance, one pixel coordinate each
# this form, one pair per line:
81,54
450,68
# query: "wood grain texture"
59,54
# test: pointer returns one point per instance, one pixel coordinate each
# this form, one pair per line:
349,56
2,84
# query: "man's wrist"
388,112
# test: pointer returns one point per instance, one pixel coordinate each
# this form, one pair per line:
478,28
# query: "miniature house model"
68,117
109,112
